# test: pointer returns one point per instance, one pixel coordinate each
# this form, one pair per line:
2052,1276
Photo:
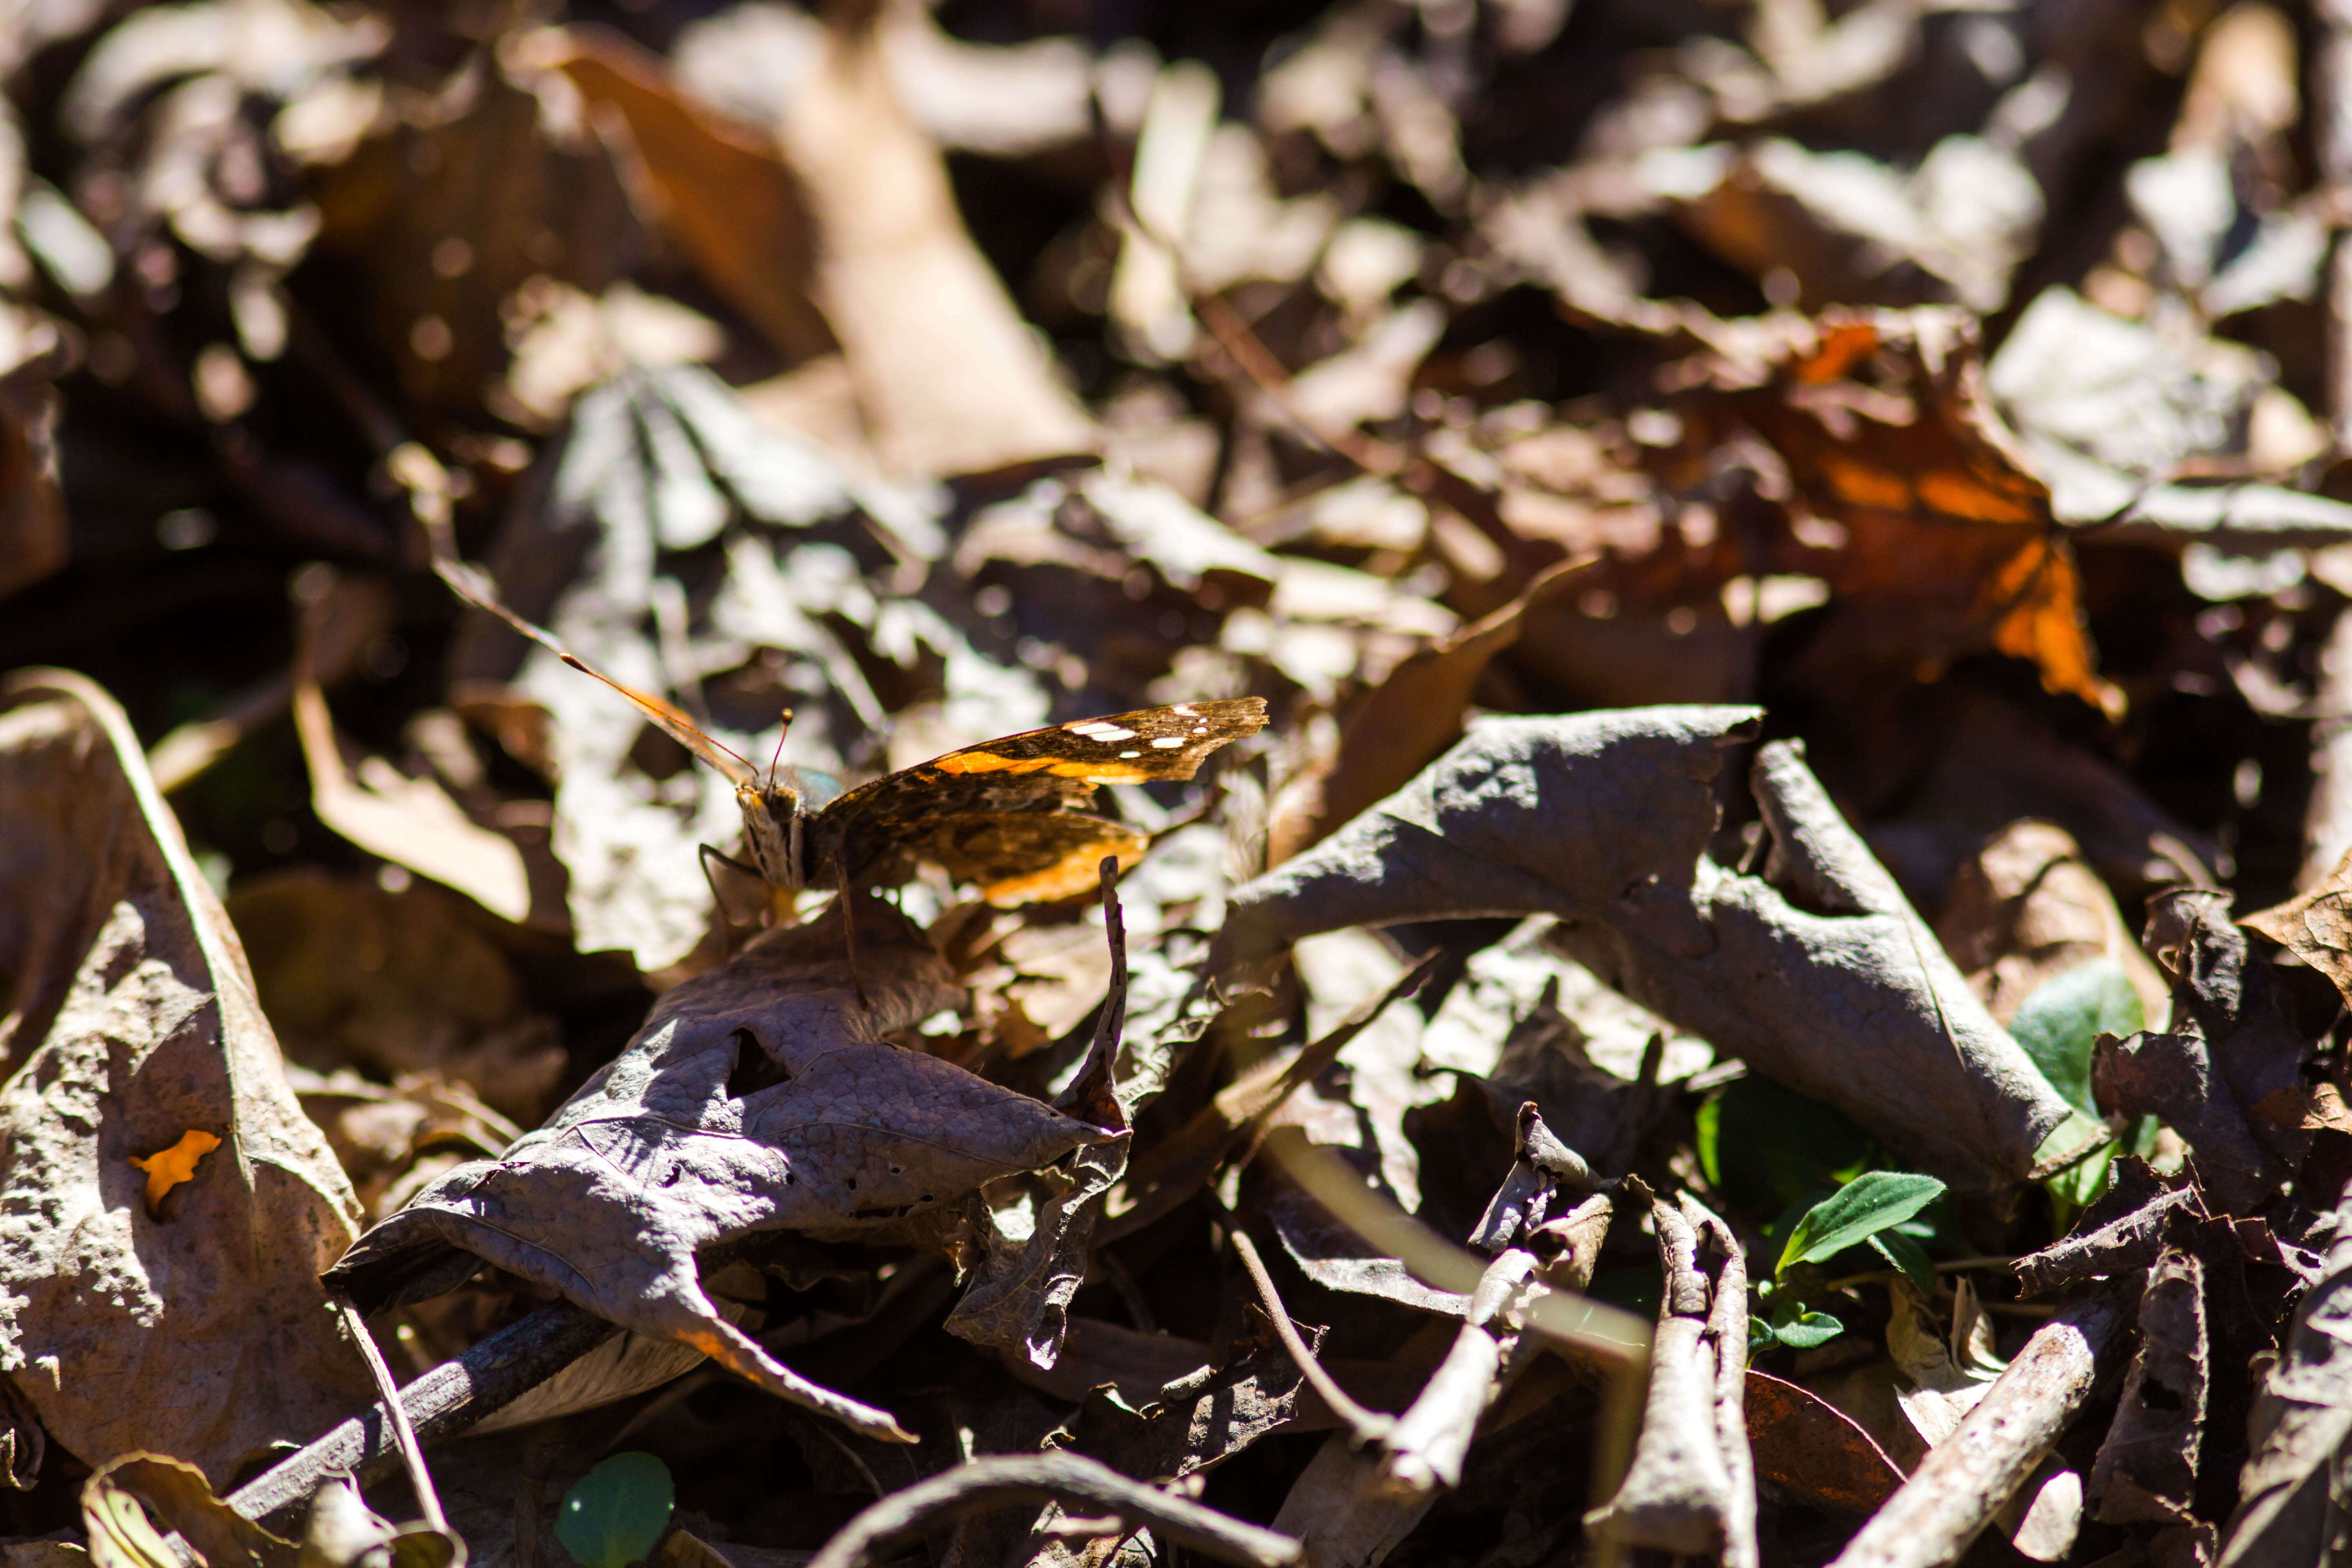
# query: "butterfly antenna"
780,745
474,585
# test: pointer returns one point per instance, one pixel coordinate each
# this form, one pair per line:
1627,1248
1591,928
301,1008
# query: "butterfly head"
775,806
774,813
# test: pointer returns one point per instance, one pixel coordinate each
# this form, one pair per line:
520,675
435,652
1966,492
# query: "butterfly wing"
1026,856
1038,773
473,585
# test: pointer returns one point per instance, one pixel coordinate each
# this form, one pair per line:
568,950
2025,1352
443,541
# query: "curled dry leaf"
204,1334
410,822
132,1504
1020,1299
759,1095
1680,1495
2121,1230
1820,976
2174,1077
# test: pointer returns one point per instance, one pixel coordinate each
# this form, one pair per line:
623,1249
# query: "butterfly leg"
849,931
733,886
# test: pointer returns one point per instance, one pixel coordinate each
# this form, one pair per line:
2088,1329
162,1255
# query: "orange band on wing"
1068,878
990,762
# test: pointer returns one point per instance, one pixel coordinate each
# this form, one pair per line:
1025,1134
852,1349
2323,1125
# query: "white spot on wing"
1096,729
1169,742
1129,756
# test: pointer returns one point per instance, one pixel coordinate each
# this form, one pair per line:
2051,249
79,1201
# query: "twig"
1066,1478
1727,1325
1678,1495
1433,1436
1964,1479
1368,1426
1610,1335
420,1478
445,1401
1949,1266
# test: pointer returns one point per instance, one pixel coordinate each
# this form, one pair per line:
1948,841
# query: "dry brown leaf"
2315,926
395,985
722,191
1402,723
32,511
1810,1446
410,822
759,1095
1887,432
451,212
947,373
2307,1106
133,1018
2027,909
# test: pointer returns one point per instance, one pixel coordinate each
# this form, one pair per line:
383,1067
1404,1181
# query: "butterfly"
999,816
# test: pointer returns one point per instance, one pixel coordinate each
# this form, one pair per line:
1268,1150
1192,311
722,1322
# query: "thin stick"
1365,1426
1964,1479
420,1479
983,1484
446,1401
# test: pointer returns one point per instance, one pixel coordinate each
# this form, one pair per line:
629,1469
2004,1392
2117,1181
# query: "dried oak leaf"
131,1019
1883,420
759,1095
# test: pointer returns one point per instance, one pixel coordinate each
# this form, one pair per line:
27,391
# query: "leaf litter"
1793,568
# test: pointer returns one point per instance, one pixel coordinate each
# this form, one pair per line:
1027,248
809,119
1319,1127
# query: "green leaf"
1708,1134
1799,1328
1772,1145
1898,1249
613,1516
1872,1201
2062,1019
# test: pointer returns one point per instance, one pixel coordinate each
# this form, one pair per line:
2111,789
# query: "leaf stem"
1365,1426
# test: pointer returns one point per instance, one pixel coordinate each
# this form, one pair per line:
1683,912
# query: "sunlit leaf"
1873,1202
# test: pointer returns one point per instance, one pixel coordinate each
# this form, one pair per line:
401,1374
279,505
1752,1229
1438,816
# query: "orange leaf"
168,1168
1887,431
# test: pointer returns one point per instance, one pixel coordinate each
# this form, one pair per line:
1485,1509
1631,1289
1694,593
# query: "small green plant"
612,1515
1877,1208
1872,1203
